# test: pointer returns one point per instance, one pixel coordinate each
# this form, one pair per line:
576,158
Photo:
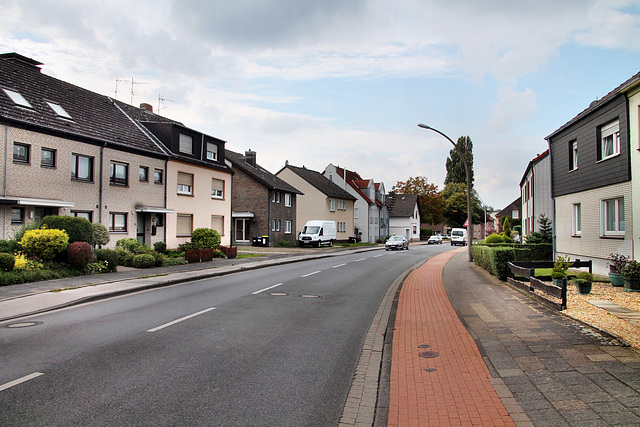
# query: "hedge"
78,229
539,251
494,259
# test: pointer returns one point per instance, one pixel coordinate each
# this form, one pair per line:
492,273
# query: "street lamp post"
468,171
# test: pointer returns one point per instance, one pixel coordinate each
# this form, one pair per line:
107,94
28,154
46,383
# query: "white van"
317,232
459,236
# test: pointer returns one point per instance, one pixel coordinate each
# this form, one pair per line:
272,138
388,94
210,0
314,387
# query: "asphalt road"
275,346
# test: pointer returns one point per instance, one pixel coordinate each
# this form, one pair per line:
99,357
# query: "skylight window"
59,110
17,98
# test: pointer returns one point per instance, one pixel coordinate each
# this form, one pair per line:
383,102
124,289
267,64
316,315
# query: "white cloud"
512,109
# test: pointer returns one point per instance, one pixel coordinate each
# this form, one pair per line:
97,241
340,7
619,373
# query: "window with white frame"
609,140
17,98
332,205
275,225
515,214
186,144
355,213
573,155
287,199
576,219
117,222
57,108
287,227
88,215
185,184
342,205
184,225
217,188
217,223
612,217
212,151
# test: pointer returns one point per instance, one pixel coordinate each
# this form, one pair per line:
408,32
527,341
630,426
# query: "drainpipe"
4,183
553,199
270,193
164,183
100,189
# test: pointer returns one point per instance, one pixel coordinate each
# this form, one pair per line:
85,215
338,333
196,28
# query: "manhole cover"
309,296
278,294
22,324
429,354
424,346
430,369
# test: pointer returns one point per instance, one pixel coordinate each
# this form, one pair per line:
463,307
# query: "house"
371,214
632,92
69,151
535,189
591,174
321,199
512,210
404,215
262,203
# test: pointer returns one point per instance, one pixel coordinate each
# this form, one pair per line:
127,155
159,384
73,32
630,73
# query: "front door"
140,228
243,229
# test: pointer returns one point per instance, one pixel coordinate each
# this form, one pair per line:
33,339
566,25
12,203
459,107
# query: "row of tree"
450,204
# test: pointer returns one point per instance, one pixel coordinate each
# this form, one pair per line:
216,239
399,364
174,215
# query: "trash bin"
265,240
256,241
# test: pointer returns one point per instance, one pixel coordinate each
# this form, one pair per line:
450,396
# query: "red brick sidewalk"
456,389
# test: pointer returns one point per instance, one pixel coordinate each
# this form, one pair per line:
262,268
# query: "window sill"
576,235
19,162
114,184
620,237
607,158
89,181
118,231
48,166
185,194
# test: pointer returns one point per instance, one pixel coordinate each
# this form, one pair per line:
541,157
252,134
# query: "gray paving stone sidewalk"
549,370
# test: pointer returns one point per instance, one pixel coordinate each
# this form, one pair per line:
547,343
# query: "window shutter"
184,225
185,179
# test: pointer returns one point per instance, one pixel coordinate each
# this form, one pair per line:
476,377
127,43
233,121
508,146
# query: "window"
184,225
287,227
217,189
217,223
17,98
143,174
157,176
576,219
59,110
212,151
573,155
117,222
159,220
17,216
81,167
48,158
88,215
356,213
21,153
185,184
341,226
609,140
275,225
332,205
415,230
612,217
118,174
287,199
186,144
514,214
342,205
275,197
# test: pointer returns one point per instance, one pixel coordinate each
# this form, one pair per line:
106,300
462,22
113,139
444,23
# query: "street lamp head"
422,125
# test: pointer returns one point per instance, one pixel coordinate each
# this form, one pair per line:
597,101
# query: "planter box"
192,255
230,251
616,279
631,285
206,254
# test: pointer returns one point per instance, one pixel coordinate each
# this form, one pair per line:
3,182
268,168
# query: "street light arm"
422,125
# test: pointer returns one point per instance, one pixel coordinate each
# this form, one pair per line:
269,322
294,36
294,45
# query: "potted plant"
584,282
560,267
616,264
631,273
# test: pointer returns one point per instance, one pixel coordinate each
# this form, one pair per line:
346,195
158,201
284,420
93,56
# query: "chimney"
250,157
145,106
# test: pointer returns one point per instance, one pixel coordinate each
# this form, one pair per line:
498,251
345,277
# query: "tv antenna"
160,99
133,82
118,81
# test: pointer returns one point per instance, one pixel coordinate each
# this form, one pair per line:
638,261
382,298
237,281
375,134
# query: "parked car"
459,236
397,242
435,239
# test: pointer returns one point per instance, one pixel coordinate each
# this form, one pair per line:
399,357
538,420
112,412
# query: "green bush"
125,258
44,244
100,235
79,255
97,268
28,276
9,246
128,244
109,257
494,238
173,261
7,261
78,229
207,237
160,247
143,261
494,259
189,245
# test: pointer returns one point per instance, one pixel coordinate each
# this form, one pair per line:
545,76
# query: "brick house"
69,151
262,204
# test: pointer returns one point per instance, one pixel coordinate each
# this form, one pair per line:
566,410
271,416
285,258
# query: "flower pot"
557,282
584,288
616,279
631,284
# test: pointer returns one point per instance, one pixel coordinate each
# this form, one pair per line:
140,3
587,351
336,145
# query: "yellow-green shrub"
43,243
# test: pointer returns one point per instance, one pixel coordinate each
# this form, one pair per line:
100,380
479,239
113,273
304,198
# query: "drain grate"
430,369
429,354
424,346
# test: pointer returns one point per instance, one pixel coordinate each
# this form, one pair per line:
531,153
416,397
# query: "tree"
455,205
429,200
545,235
455,166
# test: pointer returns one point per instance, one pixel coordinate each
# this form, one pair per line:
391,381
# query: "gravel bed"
579,307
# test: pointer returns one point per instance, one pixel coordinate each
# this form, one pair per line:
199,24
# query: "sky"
346,82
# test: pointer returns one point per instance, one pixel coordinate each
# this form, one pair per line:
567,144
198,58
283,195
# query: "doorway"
243,230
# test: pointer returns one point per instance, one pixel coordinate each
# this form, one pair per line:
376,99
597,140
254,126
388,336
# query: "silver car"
435,239
397,243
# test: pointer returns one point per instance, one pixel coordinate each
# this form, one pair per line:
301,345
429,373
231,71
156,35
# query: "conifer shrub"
44,244
7,261
79,255
143,261
100,235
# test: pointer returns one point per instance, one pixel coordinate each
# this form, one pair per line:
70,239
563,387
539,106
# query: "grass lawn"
241,256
